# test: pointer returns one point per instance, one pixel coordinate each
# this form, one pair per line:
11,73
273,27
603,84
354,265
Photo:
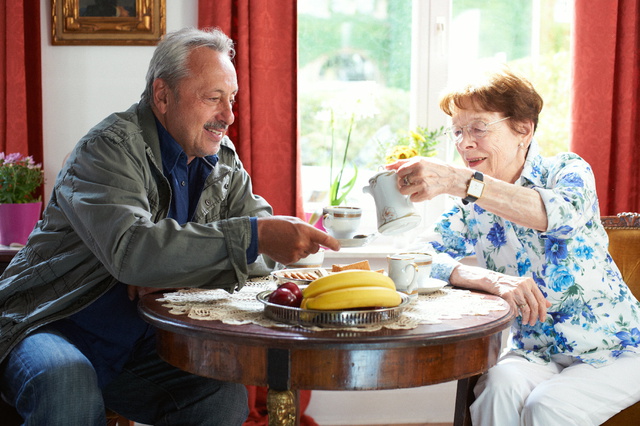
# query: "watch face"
475,188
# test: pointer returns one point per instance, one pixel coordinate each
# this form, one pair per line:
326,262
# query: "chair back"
624,247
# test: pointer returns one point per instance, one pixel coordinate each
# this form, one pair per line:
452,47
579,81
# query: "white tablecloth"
243,308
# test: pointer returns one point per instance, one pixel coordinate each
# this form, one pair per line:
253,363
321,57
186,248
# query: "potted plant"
20,206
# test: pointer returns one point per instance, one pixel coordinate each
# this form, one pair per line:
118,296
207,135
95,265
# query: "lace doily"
242,307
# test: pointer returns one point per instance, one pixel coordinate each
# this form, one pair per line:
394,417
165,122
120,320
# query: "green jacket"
107,222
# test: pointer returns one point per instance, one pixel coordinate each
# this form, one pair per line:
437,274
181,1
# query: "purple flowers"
20,177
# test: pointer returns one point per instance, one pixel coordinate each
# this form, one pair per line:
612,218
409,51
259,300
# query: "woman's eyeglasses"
477,129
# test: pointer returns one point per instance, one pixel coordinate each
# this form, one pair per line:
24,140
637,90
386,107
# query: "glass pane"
531,36
354,77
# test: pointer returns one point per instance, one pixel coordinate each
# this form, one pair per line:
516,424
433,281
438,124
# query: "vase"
17,221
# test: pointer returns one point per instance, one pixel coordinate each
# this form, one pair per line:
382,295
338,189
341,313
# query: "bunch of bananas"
351,289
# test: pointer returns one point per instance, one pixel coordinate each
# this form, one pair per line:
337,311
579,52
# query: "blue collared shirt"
187,181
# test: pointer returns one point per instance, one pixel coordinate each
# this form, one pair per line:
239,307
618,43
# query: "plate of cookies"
303,276
299,276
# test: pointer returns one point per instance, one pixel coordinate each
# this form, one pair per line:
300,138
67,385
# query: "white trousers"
563,392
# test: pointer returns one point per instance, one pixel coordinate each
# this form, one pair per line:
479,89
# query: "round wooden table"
291,359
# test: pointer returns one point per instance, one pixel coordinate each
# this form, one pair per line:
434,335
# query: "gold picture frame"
107,22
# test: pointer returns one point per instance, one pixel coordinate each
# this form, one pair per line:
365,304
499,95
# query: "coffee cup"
341,222
314,260
395,212
422,262
404,272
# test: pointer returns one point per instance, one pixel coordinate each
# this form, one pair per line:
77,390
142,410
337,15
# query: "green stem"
346,150
333,145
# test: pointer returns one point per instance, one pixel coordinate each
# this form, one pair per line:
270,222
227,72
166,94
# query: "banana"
354,297
347,279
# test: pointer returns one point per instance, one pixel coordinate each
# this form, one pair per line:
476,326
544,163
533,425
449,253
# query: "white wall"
83,84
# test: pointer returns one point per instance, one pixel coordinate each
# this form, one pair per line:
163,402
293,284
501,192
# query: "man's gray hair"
169,61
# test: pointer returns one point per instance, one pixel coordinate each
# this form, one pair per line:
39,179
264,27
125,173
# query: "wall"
83,84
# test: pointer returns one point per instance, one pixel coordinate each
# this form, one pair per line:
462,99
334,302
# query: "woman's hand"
521,293
424,178
524,296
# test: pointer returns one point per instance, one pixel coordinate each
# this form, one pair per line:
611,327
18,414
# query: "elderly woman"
534,225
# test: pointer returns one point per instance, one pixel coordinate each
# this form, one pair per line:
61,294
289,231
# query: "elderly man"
151,198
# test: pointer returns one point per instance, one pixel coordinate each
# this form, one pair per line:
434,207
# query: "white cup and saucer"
411,273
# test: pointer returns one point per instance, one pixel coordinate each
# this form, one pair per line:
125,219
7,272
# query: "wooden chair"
624,246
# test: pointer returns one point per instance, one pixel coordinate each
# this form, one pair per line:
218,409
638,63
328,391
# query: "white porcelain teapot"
395,212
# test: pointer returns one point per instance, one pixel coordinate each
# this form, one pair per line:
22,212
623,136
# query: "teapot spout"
367,190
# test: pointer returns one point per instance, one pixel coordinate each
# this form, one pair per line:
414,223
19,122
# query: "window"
533,37
380,65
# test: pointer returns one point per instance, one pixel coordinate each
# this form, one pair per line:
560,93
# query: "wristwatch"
475,188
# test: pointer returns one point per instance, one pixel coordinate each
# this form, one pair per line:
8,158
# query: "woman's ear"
525,131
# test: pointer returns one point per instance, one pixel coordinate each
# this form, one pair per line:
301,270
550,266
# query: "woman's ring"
406,180
522,305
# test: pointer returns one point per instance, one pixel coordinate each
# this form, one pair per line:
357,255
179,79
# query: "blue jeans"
50,382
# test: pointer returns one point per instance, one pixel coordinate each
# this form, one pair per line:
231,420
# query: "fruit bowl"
318,318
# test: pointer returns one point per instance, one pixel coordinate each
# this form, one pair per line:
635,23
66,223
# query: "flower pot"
17,221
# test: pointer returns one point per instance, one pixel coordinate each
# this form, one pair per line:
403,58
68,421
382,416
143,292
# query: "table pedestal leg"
281,406
464,398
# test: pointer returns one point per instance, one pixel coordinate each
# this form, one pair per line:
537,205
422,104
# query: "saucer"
400,225
431,285
357,241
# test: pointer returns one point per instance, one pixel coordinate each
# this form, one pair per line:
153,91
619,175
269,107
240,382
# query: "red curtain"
265,130
21,91
605,99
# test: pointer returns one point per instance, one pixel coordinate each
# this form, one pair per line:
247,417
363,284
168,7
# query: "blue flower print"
560,316
540,282
478,209
496,235
523,266
629,338
563,230
583,250
588,315
572,179
555,249
560,278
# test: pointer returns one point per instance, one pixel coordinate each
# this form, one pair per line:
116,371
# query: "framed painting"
107,22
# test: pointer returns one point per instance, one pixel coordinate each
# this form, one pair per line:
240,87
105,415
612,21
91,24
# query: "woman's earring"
521,145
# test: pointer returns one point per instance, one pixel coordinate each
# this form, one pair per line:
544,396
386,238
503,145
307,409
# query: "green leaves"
337,192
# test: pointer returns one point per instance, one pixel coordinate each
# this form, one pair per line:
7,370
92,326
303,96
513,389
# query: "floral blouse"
593,315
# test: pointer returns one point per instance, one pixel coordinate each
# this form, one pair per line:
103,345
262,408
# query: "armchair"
624,246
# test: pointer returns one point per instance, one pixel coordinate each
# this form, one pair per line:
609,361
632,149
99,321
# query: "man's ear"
161,93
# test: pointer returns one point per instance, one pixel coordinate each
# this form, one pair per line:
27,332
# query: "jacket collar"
150,132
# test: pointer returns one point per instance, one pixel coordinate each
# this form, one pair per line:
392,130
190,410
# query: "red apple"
283,296
293,287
